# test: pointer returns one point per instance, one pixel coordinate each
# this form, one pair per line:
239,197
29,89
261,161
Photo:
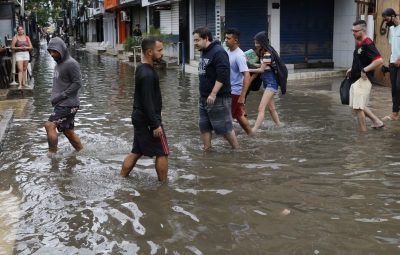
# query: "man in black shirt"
137,31
366,58
149,138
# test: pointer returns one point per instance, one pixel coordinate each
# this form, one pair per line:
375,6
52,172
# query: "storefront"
109,22
306,31
250,24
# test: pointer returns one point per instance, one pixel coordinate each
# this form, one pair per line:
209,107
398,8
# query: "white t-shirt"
238,65
394,40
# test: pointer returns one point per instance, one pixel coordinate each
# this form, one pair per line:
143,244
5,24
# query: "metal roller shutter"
250,17
204,14
169,20
306,31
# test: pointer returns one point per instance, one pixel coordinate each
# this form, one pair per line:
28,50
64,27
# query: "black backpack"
279,68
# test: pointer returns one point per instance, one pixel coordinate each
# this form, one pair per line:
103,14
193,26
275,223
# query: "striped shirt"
266,58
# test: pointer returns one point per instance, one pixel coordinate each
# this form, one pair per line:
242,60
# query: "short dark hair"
233,31
149,43
203,33
360,22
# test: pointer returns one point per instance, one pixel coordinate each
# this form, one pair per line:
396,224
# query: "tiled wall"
343,40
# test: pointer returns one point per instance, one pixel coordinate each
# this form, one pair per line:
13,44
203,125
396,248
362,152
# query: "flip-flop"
378,127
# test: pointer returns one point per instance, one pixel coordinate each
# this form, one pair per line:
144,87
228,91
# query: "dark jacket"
214,66
66,78
147,102
278,67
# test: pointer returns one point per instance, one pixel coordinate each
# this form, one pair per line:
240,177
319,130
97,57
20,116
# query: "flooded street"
341,189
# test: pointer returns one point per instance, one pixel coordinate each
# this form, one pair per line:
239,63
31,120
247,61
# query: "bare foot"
391,117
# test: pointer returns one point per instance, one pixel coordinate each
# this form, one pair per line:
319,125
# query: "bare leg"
361,120
206,138
266,98
24,74
129,164
273,112
52,136
162,168
73,139
377,122
20,66
231,137
244,123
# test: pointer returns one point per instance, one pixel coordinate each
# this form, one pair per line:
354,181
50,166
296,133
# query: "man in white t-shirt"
240,77
393,22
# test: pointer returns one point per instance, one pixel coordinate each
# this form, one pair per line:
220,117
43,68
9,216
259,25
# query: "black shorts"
146,144
64,117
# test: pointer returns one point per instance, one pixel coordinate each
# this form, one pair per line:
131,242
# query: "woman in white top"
21,45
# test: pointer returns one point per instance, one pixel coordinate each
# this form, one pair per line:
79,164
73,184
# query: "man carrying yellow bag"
366,58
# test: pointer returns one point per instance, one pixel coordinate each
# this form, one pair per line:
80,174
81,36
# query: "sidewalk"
13,103
294,74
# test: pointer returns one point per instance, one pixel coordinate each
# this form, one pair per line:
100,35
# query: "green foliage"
155,32
132,41
46,9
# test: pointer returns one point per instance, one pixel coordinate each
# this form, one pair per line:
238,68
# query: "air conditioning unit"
124,16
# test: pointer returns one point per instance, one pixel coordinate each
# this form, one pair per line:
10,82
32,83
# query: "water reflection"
341,187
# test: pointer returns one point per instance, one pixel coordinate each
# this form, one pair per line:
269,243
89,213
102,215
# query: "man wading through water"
64,96
149,138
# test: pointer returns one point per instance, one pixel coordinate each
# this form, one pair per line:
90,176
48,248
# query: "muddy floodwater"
314,186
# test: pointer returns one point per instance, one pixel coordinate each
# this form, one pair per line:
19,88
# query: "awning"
153,2
124,3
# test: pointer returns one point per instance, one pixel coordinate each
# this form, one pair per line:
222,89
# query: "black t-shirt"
364,54
147,102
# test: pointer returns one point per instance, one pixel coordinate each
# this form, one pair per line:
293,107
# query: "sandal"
378,127
390,117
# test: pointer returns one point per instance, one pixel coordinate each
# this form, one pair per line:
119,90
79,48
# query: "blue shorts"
217,117
269,81
64,117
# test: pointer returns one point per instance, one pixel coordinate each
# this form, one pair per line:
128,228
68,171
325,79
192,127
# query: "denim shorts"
217,117
269,81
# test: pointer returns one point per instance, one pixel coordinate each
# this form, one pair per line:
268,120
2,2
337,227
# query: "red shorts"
237,109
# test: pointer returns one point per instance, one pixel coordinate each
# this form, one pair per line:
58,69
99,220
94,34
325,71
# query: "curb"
5,121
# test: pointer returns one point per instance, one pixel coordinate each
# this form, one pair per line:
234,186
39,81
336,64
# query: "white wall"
343,40
274,25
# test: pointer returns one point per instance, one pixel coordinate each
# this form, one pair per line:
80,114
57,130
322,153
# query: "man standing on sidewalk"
366,59
393,22
64,96
149,137
240,77
215,89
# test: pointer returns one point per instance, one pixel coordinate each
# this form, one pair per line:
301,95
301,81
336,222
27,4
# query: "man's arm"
374,64
246,85
213,95
147,98
222,68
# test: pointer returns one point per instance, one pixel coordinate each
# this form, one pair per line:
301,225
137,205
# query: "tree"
44,10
